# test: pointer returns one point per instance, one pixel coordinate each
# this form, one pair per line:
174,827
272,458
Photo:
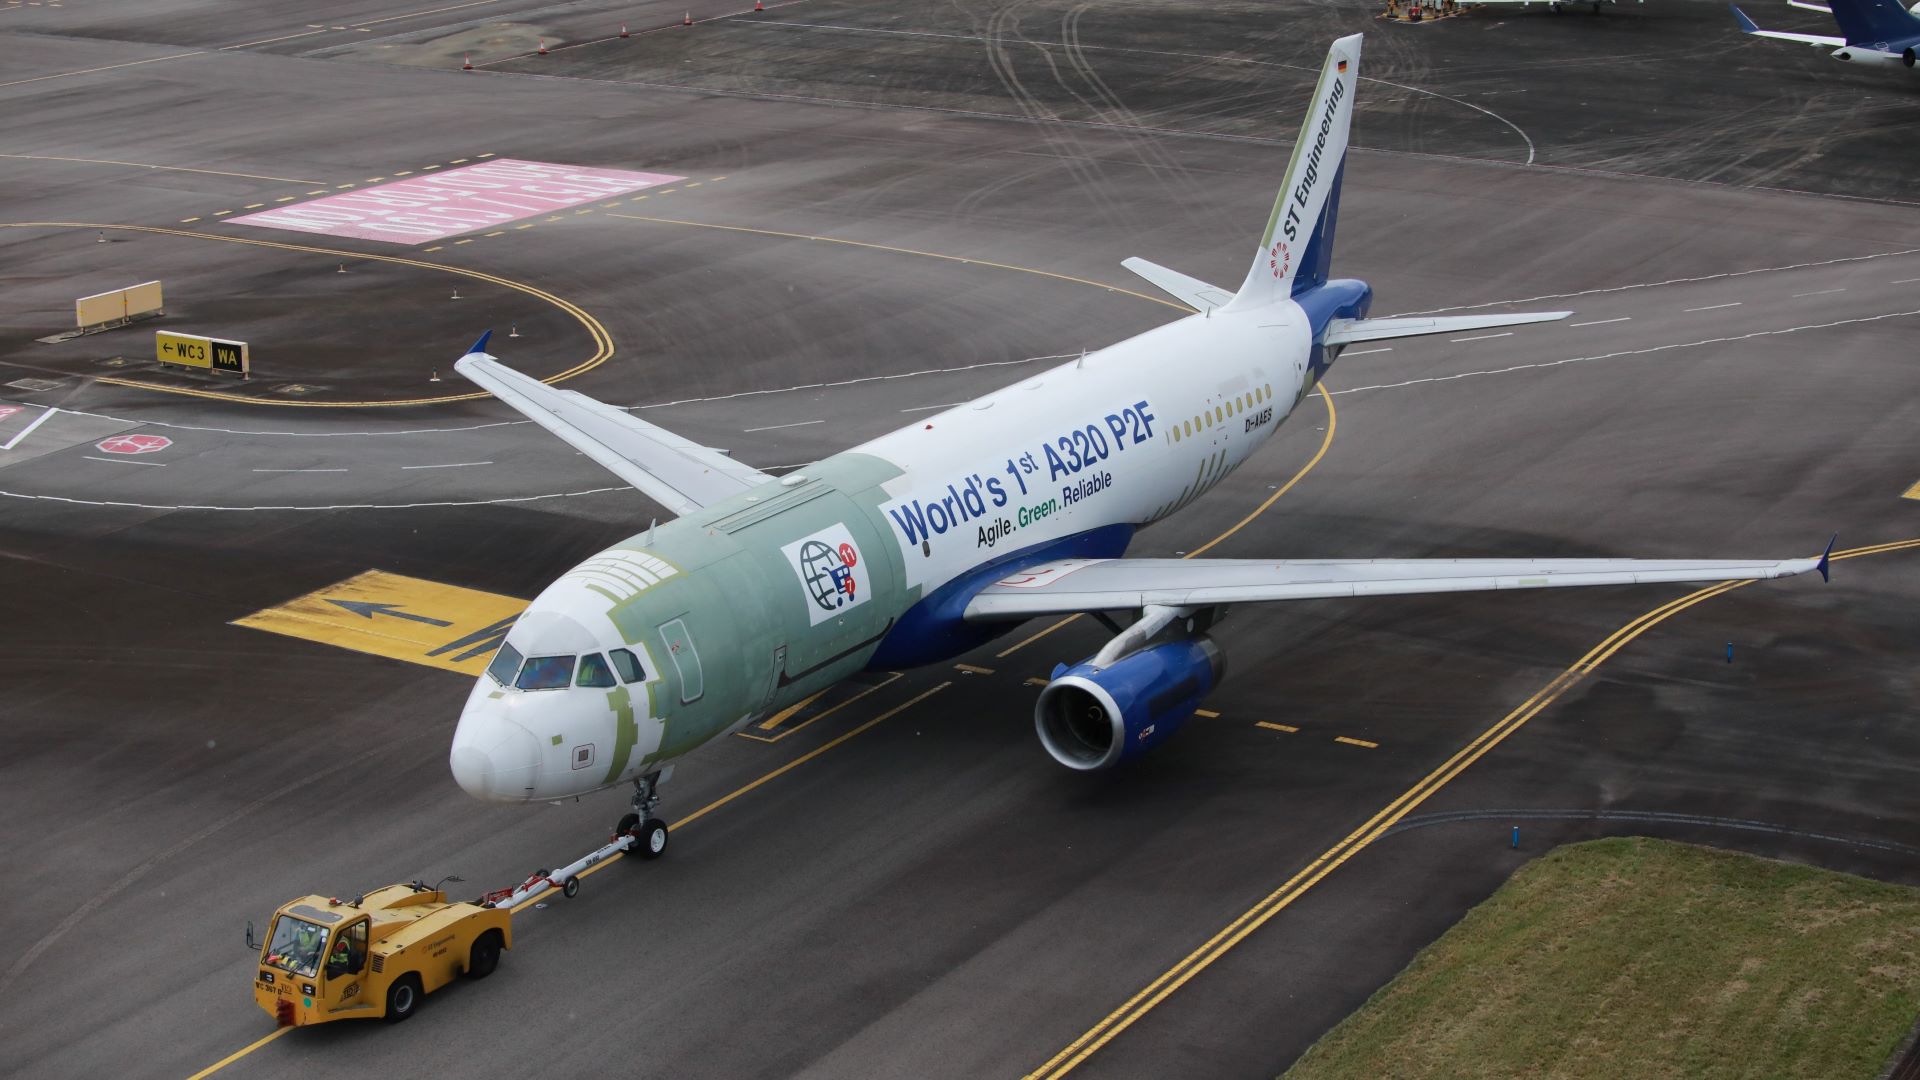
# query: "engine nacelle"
1095,718
1908,57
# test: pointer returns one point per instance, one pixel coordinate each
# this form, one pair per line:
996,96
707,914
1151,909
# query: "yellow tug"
376,955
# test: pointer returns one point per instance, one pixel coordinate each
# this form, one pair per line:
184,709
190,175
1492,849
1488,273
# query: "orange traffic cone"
623,29
543,46
688,20
466,62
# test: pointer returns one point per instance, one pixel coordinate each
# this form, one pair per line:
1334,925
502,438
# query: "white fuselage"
1126,435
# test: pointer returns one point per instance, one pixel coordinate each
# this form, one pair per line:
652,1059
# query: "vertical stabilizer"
1870,22
1301,226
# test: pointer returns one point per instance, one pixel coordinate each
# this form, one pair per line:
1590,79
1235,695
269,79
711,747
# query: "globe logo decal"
828,573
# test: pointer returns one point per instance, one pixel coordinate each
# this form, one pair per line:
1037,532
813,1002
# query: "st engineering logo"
832,573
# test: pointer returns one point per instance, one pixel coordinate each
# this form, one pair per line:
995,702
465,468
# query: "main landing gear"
649,832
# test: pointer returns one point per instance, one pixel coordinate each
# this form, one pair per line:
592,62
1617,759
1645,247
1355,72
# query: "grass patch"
1645,958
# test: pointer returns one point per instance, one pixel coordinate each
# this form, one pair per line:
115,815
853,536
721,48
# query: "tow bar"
566,879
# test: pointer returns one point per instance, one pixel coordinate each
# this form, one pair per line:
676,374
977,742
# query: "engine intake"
1094,718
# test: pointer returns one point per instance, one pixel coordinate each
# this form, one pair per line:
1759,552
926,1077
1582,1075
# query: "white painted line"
777,427
452,465
1904,281
1822,292
1714,307
28,430
1483,337
307,470
124,461
1603,322
930,408
1363,352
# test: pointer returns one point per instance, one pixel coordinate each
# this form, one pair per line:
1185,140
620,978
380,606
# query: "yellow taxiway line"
1223,941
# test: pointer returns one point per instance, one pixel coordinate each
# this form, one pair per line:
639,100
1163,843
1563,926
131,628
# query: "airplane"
1877,32
929,541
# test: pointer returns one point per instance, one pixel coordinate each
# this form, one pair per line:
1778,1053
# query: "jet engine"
1094,718
1907,57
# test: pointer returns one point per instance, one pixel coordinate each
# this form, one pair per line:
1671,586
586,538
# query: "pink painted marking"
133,444
420,209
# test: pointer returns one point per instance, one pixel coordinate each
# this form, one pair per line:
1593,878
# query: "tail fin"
1868,21
1298,243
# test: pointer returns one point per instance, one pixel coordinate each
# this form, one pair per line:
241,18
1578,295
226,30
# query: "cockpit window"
594,672
628,665
546,673
296,945
505,663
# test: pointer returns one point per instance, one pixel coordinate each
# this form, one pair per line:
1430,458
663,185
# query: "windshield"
546,673
505,664
296,945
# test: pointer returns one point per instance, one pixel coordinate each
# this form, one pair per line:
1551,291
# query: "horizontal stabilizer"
1348,331
1748,26
1076,585
678,473
1192,292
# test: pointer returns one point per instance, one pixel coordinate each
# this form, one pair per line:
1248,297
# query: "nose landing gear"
649,832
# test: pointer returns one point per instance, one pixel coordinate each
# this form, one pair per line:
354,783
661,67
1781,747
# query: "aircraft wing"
1803,4
1348,331
1076,585
1748,26
679,474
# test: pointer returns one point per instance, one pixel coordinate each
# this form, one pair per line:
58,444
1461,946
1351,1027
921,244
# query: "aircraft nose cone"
494,758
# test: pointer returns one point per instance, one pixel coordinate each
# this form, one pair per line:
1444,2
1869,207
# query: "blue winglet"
1826,557
481,345
1747,25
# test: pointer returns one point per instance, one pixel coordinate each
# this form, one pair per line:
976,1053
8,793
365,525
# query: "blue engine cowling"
1095,718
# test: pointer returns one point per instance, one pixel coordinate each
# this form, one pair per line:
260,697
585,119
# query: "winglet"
1746,25
481,345
1826,557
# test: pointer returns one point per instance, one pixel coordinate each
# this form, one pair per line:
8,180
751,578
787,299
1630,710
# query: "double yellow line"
1143,1002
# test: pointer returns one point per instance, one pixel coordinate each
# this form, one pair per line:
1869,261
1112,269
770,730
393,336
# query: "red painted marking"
8,410
848,555
422,209
133,444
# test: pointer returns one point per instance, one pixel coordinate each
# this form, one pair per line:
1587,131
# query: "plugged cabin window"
628,665
505,663
1219,414
594,672
546,673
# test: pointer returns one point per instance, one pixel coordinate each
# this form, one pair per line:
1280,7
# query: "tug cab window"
594,672
348,956
296,945
628,665
546,673
505,663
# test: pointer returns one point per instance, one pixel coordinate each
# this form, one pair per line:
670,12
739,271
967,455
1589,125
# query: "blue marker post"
1515,843
1729,652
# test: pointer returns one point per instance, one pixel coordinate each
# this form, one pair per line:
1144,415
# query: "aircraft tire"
653,839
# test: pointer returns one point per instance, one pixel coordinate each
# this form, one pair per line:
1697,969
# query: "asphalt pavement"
880,211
